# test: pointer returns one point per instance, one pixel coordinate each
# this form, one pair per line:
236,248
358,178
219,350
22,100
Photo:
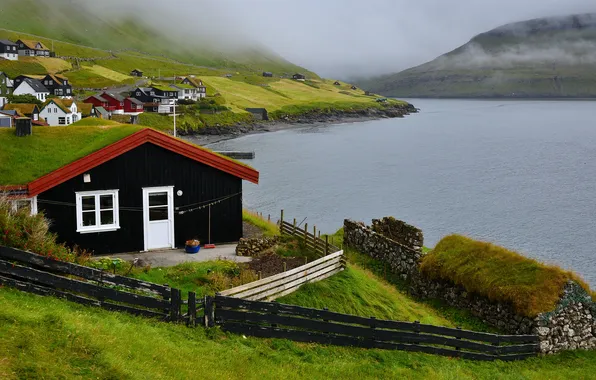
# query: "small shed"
23,126
267,74
136,73
102,113
298,76
354,87
337,83
259,113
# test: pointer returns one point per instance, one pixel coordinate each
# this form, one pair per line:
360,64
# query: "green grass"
47,338
49,148
204,278
359,292
94,122
16,68
87,77
268,228
157,121
497,273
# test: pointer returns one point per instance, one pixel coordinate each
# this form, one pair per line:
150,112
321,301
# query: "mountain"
82,23
543,58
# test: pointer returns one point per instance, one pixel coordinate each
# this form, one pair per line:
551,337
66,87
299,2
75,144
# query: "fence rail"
41,275
287,282
273,320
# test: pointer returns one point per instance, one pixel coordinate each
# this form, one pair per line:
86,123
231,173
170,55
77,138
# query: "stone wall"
572,325
401,259
254,246
399,231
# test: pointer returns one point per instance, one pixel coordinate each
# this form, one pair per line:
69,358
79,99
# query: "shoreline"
217,134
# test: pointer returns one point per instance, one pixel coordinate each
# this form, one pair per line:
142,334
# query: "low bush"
499,274
21,230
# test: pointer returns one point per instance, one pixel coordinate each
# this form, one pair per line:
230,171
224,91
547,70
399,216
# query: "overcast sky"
343,38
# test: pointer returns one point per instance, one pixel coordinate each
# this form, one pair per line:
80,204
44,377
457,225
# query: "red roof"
152,136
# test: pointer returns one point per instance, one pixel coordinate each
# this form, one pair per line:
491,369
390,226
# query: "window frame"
32,204
98,227
62,120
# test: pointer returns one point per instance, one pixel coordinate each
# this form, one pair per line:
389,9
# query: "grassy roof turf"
24,159
499,274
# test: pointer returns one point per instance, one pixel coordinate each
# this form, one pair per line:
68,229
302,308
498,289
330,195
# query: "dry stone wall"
254,246
401,259
572,325
400,232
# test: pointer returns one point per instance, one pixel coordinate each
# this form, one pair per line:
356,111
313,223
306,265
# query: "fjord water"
521,174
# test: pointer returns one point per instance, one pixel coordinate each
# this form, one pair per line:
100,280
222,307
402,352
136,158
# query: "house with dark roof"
58,85
136,73
267,74
28,85
23,109
9,50
134,189
298,76
60,112
31,48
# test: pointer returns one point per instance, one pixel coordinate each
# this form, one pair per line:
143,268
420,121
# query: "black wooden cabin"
147,191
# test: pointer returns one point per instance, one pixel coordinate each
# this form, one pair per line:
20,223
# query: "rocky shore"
211,135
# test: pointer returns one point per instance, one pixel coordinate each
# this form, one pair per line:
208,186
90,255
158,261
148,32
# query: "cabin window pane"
158,213
88,203
89,218
158,199
61,120
97,211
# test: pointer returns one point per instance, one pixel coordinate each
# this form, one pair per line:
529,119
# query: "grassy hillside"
536,58
72,22
47,338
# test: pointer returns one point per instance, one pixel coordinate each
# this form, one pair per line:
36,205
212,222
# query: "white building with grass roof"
60,112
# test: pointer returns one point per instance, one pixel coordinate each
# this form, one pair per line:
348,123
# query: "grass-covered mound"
94,122
497,273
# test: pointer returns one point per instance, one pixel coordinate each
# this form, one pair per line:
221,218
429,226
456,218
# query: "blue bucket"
190,249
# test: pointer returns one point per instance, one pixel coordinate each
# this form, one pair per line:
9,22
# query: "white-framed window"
138,93
49,110
62,120
29,203
97,211
55,109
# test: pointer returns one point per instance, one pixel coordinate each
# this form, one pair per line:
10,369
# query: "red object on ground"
207,246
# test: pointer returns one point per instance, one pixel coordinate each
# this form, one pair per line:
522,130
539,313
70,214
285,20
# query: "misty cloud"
340,38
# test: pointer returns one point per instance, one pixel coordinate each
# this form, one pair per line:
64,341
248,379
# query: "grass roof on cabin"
499,274
162,87
182,85
24,159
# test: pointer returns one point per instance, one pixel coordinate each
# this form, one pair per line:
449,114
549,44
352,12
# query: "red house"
115,103
97,101
132,105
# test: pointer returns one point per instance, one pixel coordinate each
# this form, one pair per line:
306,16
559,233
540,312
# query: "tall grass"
21,230
499,274
269,228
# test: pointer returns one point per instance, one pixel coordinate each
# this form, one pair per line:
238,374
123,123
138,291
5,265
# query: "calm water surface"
518,173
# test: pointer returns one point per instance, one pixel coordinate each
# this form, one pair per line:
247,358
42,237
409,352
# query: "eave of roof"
130,142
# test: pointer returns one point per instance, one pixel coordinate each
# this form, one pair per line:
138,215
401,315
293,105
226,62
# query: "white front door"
158,217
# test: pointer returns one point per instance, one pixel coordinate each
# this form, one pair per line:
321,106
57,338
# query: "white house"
33,87
58,112
186,92
8,50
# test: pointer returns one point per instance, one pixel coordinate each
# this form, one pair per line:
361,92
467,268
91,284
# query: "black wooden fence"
273,320
33,273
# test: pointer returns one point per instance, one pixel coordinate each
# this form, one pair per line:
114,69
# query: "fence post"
497,343
285,266
269,217
305,232
281,221
326,245
175,305
416,328
259,275
192,309
314,238
294,230
458,338
209,315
